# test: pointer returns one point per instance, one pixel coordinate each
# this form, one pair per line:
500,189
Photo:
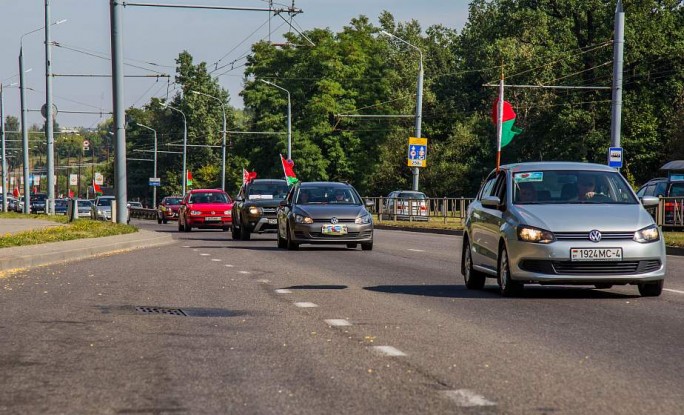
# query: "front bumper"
202,222
170,215
312,233
551,263
263,224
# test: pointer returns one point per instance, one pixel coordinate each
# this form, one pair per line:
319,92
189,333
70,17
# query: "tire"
474,280
186,227
507,287
352,245
235,233
245,234
367,247
165,221
651,289
603,286
225,228
159,221
180,226
291,246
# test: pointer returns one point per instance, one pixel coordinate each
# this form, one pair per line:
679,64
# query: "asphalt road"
328,330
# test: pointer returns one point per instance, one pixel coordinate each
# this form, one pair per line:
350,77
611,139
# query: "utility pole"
618,59
49,116
4,158
119,112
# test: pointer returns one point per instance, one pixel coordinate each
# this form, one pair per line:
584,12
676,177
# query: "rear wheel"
367,247
282,242
651,289
351,245
507,287
474,280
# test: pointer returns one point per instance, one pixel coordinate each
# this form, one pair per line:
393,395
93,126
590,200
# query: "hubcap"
466,274
503,272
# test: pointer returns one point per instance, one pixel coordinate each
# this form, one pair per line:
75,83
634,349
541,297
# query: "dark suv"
668,187
255,207
38,203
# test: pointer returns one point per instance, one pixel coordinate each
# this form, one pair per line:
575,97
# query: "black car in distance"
254,210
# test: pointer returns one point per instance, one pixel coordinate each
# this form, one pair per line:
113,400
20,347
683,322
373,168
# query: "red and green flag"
288,169
189,178
508,130
97,189
248,176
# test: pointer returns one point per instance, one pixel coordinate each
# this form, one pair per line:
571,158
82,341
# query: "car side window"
487,188
649,190
660,189
500,188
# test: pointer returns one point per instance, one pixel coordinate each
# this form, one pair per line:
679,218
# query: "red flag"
248,176
288,169
71,193
97,189
15,192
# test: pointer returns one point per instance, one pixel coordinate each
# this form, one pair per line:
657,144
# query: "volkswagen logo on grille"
213,213
595,236
334,220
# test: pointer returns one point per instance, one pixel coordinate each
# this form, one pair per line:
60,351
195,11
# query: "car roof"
556,165
267,181
316,184
206,191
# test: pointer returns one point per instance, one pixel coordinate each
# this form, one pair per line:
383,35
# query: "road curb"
670,250
23,257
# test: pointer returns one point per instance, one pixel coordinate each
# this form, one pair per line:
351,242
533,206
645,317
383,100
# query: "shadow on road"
538,292
317,287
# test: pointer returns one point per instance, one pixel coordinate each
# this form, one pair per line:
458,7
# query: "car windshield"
172,201
412,195
84,203
571,187
38,198
311,195
104,202
208,197
677,189
267,191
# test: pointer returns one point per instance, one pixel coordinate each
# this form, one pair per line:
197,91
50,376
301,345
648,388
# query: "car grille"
584,236
269,210
327,220
589,267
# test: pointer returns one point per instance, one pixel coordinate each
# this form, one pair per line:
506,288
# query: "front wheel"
289,244
507,287
651,289
235,233
474,280
159,221
367,247
351,245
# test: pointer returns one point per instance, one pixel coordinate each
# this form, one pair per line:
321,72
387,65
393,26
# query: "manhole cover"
161,310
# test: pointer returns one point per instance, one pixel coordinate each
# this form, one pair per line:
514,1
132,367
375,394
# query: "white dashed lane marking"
388,350
216,260
416,250
186,246
244,272
204,254
468,398
263,281
673,291
338,322
306,305
283,291
230,265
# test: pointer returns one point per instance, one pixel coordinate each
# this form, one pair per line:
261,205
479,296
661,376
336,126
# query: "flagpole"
499,120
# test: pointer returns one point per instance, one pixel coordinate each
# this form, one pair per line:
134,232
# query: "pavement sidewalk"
21,257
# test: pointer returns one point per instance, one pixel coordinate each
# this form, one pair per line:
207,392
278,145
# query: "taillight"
669,206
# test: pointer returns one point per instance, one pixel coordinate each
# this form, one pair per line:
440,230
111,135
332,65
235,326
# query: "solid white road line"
283,291
673,291
306,305
468,398
416,250
388,351
338,322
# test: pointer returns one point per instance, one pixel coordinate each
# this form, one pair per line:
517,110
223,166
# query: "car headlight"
530,234
303,219
363,219
253,210
195,212
648,234
226,212
100,212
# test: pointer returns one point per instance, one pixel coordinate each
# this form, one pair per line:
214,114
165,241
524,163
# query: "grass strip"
79,229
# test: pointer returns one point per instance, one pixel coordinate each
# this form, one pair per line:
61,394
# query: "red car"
205,209
168,209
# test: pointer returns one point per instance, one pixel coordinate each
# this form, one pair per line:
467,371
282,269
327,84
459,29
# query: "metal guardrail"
143,213
419,209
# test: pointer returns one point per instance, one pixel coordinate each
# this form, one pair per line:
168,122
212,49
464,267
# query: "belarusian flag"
189,182
288,169
508,130
248,176
97,189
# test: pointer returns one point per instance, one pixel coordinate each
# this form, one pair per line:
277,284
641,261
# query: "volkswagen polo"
561,223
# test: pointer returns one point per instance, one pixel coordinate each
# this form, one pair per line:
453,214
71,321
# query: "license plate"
273,221
212,219
596,254
334,230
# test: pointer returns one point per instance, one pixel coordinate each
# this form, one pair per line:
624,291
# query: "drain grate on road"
161,310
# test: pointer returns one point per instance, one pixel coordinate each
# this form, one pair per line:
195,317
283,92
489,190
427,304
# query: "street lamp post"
419,100
4,159
289,118
185,146
223,155
24,126
154,188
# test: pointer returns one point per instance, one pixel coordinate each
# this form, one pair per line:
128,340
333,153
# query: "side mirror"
650,201
491,202
283,203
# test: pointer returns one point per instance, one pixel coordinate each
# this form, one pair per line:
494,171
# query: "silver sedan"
561,223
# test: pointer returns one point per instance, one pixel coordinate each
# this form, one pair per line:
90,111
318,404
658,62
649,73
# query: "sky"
157,35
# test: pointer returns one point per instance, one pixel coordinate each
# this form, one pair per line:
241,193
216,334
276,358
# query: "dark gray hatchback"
324,213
